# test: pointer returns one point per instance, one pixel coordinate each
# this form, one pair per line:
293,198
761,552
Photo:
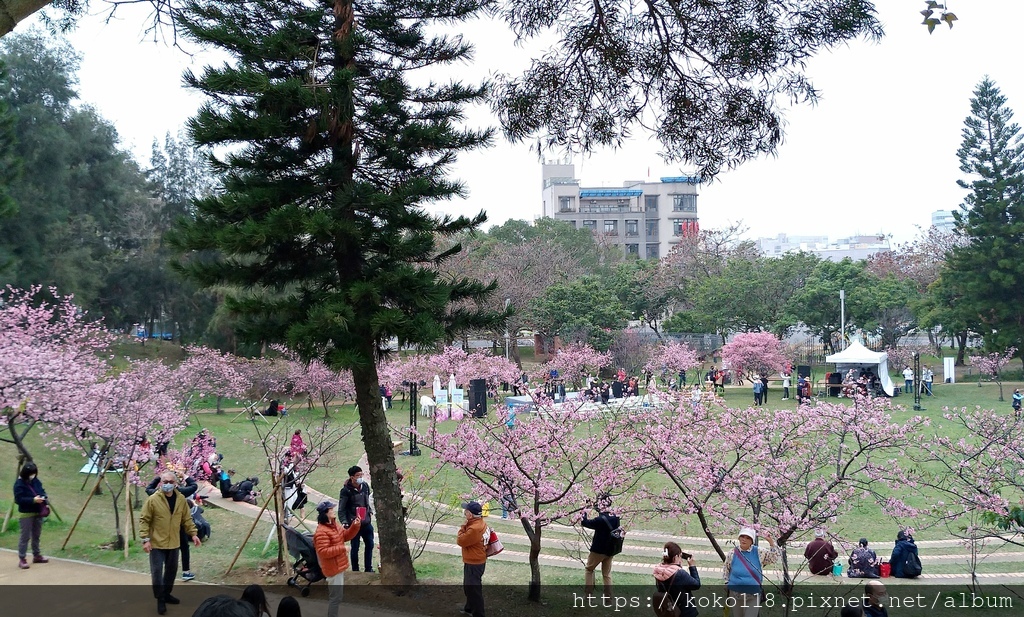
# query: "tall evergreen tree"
321,222
10,163
986,270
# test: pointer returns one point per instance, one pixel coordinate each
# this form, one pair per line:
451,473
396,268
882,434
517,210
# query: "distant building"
855,247
645,219
943,220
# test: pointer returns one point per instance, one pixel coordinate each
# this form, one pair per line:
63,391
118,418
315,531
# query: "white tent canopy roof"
859,356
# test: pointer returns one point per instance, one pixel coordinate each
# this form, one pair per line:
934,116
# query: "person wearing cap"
744,572
471,537
863,561
356,494
332,554
820,554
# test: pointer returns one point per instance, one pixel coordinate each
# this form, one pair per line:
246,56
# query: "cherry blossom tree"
323,385
450,361
750,353
50,357
974,480
209,371
991,366
903,355
577,360
553,463
670,359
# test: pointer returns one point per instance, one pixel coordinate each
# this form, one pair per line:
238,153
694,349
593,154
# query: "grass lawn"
59,473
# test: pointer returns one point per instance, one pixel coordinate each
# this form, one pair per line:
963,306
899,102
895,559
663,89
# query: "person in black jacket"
245,490
356,494
187,487
601,548
675,582
31,498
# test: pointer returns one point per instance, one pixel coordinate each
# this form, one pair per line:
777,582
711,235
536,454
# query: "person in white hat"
743,573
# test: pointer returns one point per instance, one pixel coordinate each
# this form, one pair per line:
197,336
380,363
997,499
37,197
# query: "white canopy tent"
859,356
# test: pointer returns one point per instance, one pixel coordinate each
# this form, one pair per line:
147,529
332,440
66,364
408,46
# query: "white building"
943,220
645,219
854,247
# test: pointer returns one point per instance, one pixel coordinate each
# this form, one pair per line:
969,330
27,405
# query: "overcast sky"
877,155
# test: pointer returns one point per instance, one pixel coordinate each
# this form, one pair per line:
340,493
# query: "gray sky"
878,154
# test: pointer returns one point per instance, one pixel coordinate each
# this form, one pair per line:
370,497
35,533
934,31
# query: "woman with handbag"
674,583
744,573
33,507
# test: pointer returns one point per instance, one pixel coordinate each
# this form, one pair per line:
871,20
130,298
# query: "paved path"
102,591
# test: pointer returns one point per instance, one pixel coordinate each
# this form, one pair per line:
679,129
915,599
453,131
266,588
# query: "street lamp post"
507,303
842,316
917,381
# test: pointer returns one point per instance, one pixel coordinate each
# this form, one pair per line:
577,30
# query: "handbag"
45,510
494,545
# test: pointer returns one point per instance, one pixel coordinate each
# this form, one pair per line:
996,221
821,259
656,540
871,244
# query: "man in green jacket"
163,515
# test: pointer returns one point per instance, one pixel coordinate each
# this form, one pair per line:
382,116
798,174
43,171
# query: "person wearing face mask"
187,487
329,541
164,514
31,499
470,538
356,494
875,599
744,572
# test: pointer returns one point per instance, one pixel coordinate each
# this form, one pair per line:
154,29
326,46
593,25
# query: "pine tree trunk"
396,558
961,343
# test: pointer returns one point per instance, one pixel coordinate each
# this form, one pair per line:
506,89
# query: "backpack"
617,536
912,566
663,604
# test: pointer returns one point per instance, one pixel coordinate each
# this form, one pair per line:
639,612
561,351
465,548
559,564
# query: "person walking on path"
32,509
676,582
601,548
471,538
820,554
1017,399
744,575
163,515
329,541
298,447
187,487
785,385
354,504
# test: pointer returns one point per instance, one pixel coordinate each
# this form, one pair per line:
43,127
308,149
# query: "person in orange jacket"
330,541
472,539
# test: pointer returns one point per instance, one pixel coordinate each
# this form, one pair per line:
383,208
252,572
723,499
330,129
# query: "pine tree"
10,164
333,153
987,271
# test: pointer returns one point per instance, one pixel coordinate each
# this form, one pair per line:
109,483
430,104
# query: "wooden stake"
127,513
99,479
251,529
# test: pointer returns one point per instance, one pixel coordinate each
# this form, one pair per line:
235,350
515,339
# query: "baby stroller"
300,547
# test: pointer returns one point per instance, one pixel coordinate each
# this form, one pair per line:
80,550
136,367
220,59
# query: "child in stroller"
306,566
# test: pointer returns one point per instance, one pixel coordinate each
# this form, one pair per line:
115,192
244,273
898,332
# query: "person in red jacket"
820,554
329,540
471,538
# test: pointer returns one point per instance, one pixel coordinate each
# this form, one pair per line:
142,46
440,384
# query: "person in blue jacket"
675,581
743,572
31,499
904,547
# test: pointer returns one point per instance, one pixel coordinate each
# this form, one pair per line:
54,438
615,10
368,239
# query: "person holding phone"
674,583
329,541
354,504
31,500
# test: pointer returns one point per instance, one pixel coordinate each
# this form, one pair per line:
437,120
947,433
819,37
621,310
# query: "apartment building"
644,218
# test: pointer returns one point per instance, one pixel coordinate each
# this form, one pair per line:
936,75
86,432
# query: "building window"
566,204
652,251
611,228
590,224
633,228
606,206
677,227
651,203
633,250
652,229
575,224
684,203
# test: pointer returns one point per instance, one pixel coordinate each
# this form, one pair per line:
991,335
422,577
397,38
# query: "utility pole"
842,316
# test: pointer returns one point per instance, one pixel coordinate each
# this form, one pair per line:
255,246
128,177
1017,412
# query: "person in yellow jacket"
164,514
472,539
332,553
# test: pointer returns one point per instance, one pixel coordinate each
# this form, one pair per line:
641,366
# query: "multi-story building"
645,219
943,220
854,247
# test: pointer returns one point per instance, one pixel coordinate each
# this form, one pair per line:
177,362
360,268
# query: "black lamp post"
917,381
413,449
